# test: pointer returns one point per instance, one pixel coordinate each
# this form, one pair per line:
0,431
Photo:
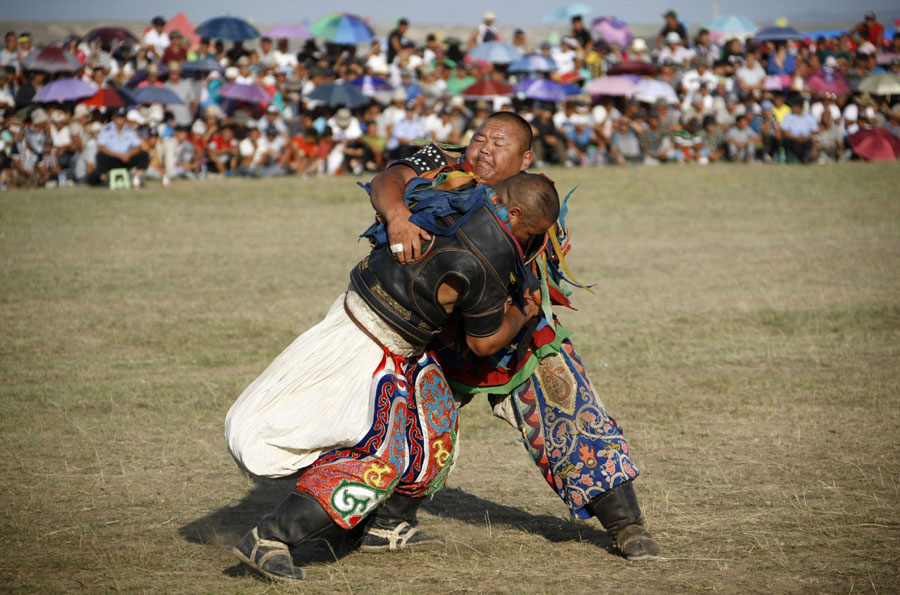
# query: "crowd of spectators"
726,108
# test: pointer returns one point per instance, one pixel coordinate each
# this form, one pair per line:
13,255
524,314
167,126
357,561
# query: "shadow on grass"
225,526
454,503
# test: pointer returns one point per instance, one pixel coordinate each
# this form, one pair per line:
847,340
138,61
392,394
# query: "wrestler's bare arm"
387,199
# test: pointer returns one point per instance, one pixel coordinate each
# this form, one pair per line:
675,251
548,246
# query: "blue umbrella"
339,94
248,93
371,85
542,90
495,52
729,23
564,13
203,65
342,29
157,95
779,34
67,89
532,63
230,28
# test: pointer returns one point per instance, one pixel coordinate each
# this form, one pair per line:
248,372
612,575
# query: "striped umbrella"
342,29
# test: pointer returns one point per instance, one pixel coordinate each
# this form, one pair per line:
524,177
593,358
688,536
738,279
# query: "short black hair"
535,194
522,128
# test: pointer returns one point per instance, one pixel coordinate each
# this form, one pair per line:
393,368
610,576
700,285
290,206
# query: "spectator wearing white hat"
638,51
62,149
485,32
675,52
187,90
86,162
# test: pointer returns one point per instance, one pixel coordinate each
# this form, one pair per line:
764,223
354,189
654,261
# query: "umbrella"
732,24
484,89
157,95
564,13
532,63
875,144
51,60
632,67
775,82
107,35
203,65
339,94
542,90
881,84
650,90
248,93
230,28
495,52
828,82
162,71
779,34
372,85
181,24
289,32
110,97
619,86
613,31
342,29
68,89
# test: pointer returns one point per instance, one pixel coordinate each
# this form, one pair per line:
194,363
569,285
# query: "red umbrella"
487,89
51,60
875,144
633,67
181,24
108,97
107,35
828,82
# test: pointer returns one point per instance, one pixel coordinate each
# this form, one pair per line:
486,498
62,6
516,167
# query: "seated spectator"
624,145
697,76
185,156
797,130
689,141
177,50
549,143
222,150
782,61
404,132
86,163
742,141
301,152
829,140
581,142
713,142
751,77
62,146
119,146
271,158
675,52
656,143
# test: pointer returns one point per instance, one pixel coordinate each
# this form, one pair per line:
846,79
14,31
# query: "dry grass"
745,333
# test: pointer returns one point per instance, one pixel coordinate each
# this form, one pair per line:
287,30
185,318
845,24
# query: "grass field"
745,334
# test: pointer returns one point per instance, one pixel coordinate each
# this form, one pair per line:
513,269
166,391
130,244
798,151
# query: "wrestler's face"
496,152
523,231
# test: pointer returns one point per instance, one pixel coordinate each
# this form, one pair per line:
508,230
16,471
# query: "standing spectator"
283,57
782,61
155,39
579,33
397,40
704,47
119,146
266,53
520,42
742,141
870,30
671,25
177,50
485,32
34,82
9,55
25,46
375,60
797,130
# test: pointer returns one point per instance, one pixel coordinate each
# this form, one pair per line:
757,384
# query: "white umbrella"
651,90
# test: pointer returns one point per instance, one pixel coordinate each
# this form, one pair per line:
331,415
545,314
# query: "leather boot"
619,513
266,548
392,527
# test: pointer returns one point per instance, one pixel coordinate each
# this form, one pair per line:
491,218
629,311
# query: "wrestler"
356,404
587,463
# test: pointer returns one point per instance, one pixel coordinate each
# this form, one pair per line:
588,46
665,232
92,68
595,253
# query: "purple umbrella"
371,85
68,89
619,86
288,32
51,60
532,63
248,93
107,35
613,30
162,71
828,82
542,90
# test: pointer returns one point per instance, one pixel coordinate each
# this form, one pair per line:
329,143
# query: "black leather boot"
619,513
392,527
266,548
